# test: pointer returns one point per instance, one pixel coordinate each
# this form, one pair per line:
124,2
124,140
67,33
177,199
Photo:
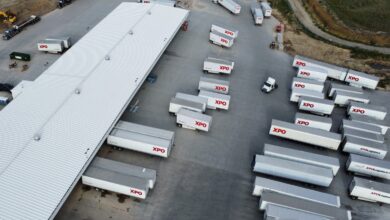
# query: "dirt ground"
25,8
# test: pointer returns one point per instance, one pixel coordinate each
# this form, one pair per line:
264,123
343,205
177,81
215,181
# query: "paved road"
307,22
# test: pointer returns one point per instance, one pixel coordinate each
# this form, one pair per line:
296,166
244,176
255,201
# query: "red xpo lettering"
220,102
353,78
358,110
375,193
298,85
303,73
306,123
43,46
279,130
200,124
224,40
307,104
136,192
159,149
224,67
220,88
229,33
300,63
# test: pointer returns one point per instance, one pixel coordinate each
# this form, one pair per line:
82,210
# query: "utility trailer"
276,212
360,126
227,31
311,72
131,136
368,190
384,125
230,5
178,103
373,111
293,170
363,147
368,166
342,98
267,10
333,71
316,105
193,120
349,132
214,85
360,79
221,39
193,98
263,184
272,198
313,121
215,100
119,178
51,46
304,134
339,87
310,84
257,13
302,156
297,93
216,65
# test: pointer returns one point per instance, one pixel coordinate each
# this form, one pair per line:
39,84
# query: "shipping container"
302,156
316,105
368,166
263,184
363,147
384,125
221,39
215,100
360,79
332,71
273,198
360,126
51,46
313,73
214,85
293,170
257,13
339,87
230,5
193,120
20,87
193,98
313,121
369,190
142,138
176,104
373,111
297,93
227,31
310,84
216,65
276,212
267,10
304,134
349,132
342,98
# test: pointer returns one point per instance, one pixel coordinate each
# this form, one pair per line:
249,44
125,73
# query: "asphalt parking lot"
208,175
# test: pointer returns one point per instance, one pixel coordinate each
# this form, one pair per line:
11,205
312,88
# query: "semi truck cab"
269,85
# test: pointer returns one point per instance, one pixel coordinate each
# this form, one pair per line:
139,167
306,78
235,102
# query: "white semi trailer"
349,132
228,31
363,147
373,111
193,120
313,73
257,13
313,121
297,93
230,5
266,8
273,212
316,105
340,87
342,98
384,125
214,85
221,39
178,103
216,65
215,100
360,79
302,83
368,166
360,126
192,98
368,190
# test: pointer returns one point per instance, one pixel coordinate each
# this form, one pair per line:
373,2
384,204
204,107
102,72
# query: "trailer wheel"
353,197
178,125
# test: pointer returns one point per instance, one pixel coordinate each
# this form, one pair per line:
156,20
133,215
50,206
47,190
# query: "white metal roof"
37,176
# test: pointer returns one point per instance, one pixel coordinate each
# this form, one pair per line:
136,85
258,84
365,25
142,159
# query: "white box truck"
274,212
369,190
131,136
230,5
293,170
311,72
368,166
263,184
333,71
215,100
297,93
313,121
302,156
193,98
304,134
177,103
360,126
267,10
363,147
310,84
316,105
20,87
373,111
51,46
257,14
214,85
342,98
360,79
384,125
349,132
339,87
216,65
193,120
326,211
227,31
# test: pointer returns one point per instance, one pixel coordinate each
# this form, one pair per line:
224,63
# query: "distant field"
372,15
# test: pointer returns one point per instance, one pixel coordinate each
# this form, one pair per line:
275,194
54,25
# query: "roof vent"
131,32
149,12
37,137
107,57
77,91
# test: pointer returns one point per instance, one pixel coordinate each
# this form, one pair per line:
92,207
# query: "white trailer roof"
106,67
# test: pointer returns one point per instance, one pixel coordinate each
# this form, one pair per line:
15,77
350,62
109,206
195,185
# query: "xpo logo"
300,122
279,130
220,102
354,78
200,124
303,73
229,33
159,149
300,63
307,104
136,192
224,40
358,110
43,46
224,67
298,85
220,88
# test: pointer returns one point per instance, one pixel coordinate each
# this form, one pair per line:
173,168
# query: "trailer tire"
178,125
